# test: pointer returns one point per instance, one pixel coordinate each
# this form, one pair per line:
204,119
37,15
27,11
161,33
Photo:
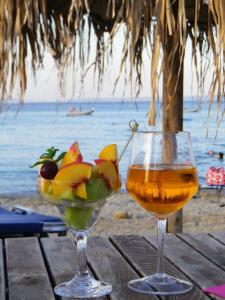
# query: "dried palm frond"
65,29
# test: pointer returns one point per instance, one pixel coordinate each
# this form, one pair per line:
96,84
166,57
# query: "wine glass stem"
161,230
81,241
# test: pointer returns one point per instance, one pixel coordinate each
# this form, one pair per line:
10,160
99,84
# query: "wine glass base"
83,287
160,284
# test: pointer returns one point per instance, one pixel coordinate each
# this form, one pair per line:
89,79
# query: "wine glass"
79,215
161,177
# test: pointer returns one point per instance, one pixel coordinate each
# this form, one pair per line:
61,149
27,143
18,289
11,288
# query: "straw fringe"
60,27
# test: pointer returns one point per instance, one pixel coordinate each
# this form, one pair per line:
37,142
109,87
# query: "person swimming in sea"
211,152
219,154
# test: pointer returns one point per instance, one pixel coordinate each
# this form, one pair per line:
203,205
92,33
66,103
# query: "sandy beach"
121,215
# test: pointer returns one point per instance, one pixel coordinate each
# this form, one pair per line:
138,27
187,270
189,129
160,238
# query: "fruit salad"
75,186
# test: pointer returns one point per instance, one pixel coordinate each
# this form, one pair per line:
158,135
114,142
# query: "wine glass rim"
82,203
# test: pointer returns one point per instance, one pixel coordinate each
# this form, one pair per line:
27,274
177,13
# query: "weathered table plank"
61,257
110,266
27,276
207,246
2,275
142,256
198,268
34,267
220,236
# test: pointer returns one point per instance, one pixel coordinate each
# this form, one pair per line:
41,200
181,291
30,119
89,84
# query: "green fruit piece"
97,189
78,217
94,173
68,195
49,190
49,196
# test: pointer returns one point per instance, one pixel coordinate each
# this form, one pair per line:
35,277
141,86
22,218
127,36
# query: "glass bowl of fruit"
79,189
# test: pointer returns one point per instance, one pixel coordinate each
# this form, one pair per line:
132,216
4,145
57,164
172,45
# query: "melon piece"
78,217
68,195
97,189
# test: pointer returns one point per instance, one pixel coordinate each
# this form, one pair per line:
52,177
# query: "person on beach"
220,155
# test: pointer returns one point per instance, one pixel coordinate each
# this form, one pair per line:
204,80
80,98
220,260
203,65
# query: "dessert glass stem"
81,241
161,230
83,285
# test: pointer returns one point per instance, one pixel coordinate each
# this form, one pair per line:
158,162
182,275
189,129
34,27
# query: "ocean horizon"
25,135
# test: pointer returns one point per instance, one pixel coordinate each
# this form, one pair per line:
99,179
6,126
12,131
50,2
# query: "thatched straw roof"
64,26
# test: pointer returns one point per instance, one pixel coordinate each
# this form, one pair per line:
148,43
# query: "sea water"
25,134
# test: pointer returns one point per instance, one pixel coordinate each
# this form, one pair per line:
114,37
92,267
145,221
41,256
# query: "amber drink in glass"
161,177
162,191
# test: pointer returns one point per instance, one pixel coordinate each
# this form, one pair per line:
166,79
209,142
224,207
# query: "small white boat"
77,113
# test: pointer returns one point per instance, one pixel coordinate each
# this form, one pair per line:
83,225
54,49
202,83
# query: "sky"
46,86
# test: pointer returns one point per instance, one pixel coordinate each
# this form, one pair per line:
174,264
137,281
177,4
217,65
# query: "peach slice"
70,175
74,148
81,191
110,152
71,158
72,155
108,171
44,185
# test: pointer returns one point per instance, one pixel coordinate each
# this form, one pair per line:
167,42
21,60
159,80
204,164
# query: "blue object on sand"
26,222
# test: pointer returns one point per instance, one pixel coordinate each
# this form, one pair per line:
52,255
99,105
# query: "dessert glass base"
83,286
160,284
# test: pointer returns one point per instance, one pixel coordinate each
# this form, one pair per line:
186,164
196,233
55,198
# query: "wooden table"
30,267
